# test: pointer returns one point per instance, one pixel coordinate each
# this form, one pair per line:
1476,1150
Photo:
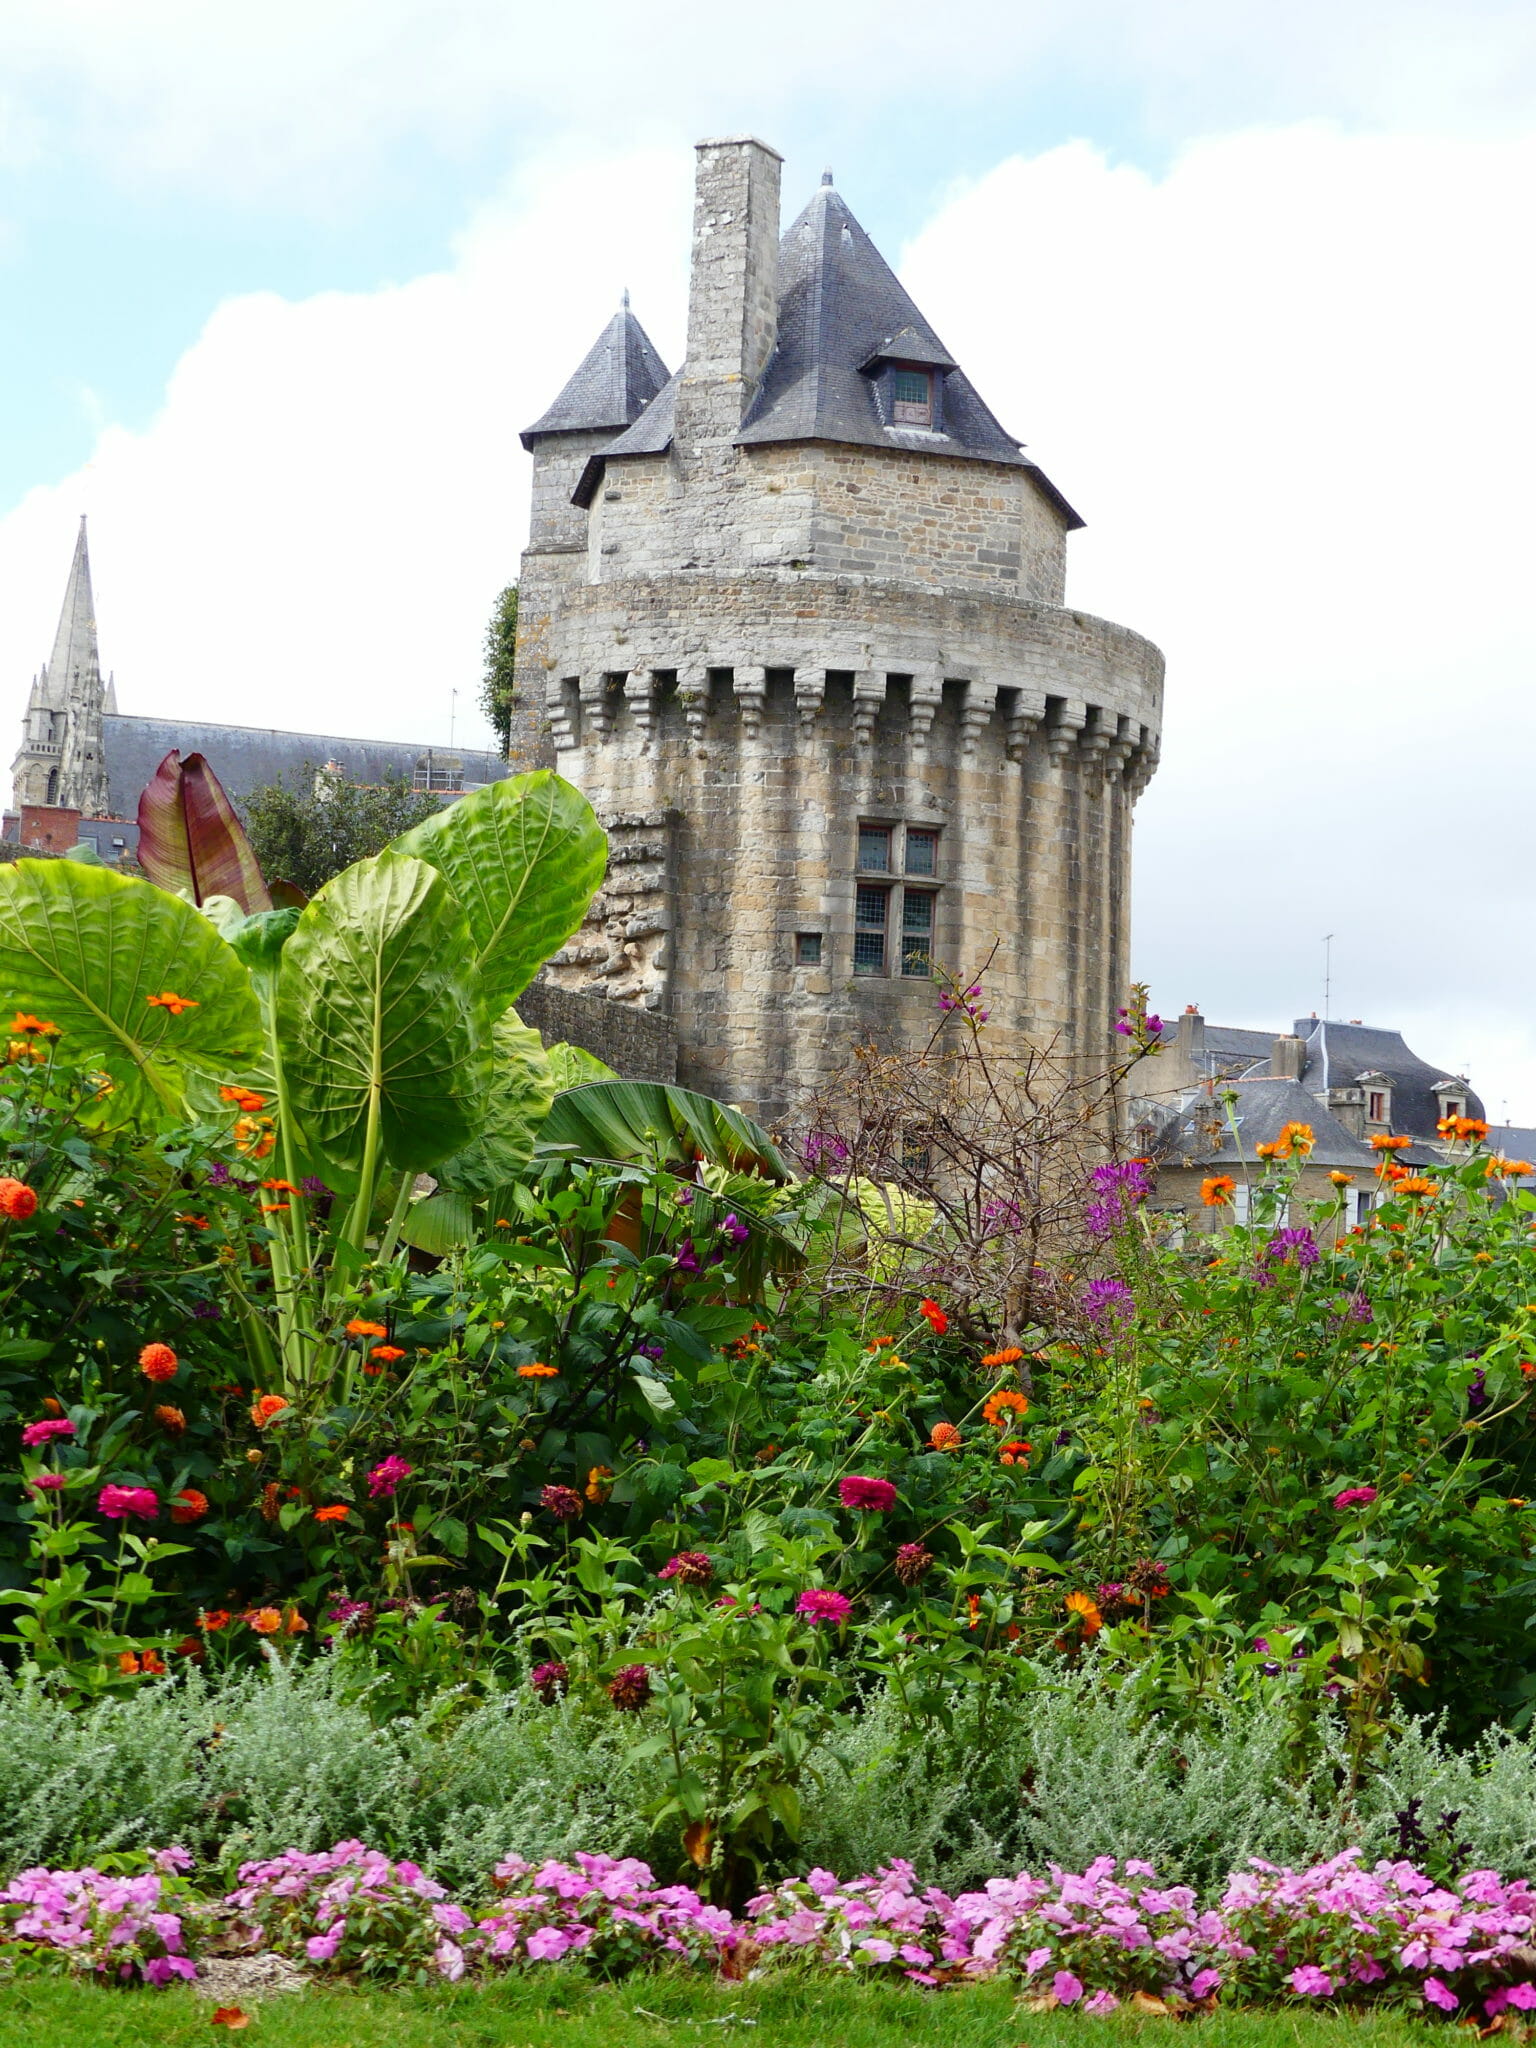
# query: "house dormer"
1376,1102
906,374
1452,1096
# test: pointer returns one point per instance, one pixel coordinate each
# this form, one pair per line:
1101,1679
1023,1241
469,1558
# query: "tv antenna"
1327,973
453,713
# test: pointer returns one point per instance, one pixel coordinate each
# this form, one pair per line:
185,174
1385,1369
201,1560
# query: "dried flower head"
630,1688
689,1568
563,1502
912,1562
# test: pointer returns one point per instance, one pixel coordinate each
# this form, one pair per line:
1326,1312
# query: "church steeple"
61,759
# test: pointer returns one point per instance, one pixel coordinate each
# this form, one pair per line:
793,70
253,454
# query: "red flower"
938,1322
189,1505
337,1513
630,1688
390,1353
17,1200
876,1495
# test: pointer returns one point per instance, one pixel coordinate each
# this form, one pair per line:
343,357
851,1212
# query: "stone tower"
62,759
799,632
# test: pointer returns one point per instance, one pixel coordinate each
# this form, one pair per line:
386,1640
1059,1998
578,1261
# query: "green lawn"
559,2012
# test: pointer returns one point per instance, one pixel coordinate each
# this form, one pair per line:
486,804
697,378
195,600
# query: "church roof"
842,311
613,384
247,757
74,644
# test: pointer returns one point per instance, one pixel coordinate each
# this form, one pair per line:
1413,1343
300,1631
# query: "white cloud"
1286,384
313,529
1288,387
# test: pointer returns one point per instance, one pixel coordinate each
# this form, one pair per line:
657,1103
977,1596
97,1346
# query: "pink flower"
117,1503
1355,1497
48,1482
387,1475
1203,1983
818,1604
1102,2001
1068,1989
877,1495
1312,1982
37,1433
1436,1993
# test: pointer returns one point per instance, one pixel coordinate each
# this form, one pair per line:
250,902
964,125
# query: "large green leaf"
525,857
522,1087
86,948
573,1064
376,1003
648,1120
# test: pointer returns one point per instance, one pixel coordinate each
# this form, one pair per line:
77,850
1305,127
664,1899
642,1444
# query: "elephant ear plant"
374,1024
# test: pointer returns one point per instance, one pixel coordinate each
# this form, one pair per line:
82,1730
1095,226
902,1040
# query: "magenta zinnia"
563,1502
1355,1497
117,1503
818,1604
876,1495
387,1475
689,1568
549,1681
37,1433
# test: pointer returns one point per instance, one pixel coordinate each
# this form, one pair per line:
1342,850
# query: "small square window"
870,909
874,849
917,932
807,949
912,398
922,851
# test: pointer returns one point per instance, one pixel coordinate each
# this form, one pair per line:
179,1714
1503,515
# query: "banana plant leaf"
378,1015
96,953
573,1064
654,1122
525,858
522,1088
190,839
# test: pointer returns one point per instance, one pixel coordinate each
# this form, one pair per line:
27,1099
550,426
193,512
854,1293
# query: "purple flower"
877,1495
649,1350
549,1681
685,1198
207,1311
1121,1176
1350,1308
819,1604
687,1260
1000,1216
1478,1396
1287,1246
387,1475
1436,1993
218,1174
1154,1025
1355,1497
350,1615
1312,1982
823,1148
1108,1303
1067,1988
735,1229
311,1184
117,1503
37,1433
630,1688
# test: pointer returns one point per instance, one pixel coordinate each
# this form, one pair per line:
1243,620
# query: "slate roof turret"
612,386
1339,1054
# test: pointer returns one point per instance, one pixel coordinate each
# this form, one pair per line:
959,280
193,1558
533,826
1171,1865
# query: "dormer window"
912,398
1376,1106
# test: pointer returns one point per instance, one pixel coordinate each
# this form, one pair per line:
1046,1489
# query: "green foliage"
95,953
311,830
667,1126
498,692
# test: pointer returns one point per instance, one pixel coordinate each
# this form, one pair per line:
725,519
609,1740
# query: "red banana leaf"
190,837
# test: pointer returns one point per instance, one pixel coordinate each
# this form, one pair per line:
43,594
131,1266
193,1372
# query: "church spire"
75,658
61,759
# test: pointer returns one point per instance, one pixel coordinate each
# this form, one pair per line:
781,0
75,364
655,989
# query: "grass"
556,2011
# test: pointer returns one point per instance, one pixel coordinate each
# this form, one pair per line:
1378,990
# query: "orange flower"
230,2016
171,1420
265,1620
944,1437
1085,1605
214,1619
189,1505
538,1371
244,1098
194,1222
282,1187
390,1353
1510,1169
1294,1138
1002,1405
358,1328
1463,1127
1415,1184
880,1343
1015,1452
599,1483
1382,1143
1267,1151
158,1362
938,1322
17,1200
266,1408
189,1646
127,1663
1341,1180
294,1623
338,1513
274,1208
1009,1355
32,1027
175,1004
254,1136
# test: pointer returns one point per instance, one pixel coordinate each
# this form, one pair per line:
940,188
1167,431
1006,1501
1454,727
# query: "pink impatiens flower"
1312,1982
1436,1993
1067,1988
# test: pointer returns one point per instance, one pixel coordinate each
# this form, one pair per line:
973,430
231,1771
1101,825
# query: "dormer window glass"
1376,1107
912,398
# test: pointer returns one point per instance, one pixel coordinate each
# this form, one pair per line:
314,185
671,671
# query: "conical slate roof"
617,379
74,644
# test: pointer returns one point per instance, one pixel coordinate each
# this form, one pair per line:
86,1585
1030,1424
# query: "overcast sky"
279,286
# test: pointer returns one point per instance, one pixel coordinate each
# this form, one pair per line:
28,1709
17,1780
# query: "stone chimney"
733,289
1288,1060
